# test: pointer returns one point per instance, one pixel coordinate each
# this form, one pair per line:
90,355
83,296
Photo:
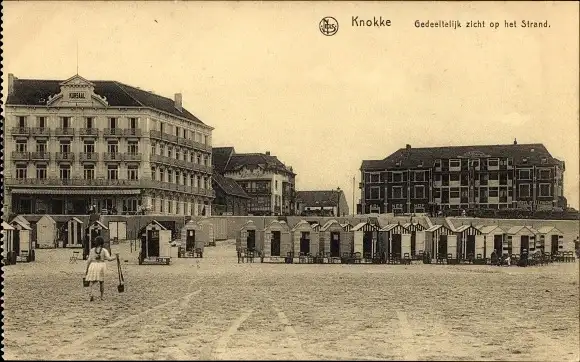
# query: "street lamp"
338,201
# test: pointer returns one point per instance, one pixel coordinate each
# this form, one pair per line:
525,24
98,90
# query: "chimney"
178,98
10,83
267,153
515,141
408,146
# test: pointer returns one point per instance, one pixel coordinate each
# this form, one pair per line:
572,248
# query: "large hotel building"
73,144
412,180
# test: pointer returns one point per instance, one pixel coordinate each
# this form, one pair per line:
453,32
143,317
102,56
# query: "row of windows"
419,192
88,146
180,178
88,172
176,207
180,154
113,122
422,176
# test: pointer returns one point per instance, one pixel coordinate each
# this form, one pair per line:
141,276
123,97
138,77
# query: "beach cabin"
276,240
336,240
440,241
347,226
550,240
46,232
519,238
73,238
23,246
96,228
155,244
207,231
395,240
247,237
493,239
417,237
470,242
8,244
192,242
366,240
305,239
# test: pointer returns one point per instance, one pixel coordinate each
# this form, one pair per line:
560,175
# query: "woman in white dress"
96,266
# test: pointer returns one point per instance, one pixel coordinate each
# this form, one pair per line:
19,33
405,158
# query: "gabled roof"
6,226
25,220
303,223
517,229
35,92
220,157
22,225
549,230
48,217
106,228
329,223
365,225
76,220
229,186
318,198
437,227
390,227
489,228
413,157
253,160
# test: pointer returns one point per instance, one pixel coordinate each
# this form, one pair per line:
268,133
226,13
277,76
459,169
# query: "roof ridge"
121,85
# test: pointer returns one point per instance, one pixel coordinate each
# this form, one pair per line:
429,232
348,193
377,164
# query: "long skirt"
96,272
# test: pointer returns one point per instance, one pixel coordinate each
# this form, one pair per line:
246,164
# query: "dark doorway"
251,240
79,207
190,240
396,244
305,242
368,244
413,242
335,244
62,233
275,243
57,206
525,244
470,246
498,244
16,241
554,246
143,246
153,243
442,247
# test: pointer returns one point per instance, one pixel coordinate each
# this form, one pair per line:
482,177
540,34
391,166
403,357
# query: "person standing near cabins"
96,266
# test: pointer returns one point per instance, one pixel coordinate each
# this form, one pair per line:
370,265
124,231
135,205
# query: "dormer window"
398,163
525,160
544,160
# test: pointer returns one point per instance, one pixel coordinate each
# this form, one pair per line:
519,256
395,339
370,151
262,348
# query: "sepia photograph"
291,180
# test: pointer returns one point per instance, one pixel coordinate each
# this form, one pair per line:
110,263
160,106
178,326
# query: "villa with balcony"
74,144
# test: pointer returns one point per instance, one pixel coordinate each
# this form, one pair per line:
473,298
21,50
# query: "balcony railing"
20,156
113,132
89,132
112,156
72,182
65,156
40,131
20,131
89,156
61,132
40,156
179,140
132,132
132,157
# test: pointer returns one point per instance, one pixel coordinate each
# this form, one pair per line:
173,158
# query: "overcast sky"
266,78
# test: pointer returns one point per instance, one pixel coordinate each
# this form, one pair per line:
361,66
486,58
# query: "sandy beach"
215,308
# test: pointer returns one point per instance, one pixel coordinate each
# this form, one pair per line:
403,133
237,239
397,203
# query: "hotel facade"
414,180
74,144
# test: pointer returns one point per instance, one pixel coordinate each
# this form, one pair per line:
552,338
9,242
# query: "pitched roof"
6,226
412,157
549,229
229,186
252,160
220,157
317,198
489,228
35,92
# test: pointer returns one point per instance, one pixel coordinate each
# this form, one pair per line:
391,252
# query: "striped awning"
44,191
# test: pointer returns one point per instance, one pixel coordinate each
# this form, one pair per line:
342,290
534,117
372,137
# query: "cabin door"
470,246
413,242
190,240
335,244
498,244
16,242
275,243
525,244
144,246
554,246
251,241
442,246
396,244
368,244
153,243
305,243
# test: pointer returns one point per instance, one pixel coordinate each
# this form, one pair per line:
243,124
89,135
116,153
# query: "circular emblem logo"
328,26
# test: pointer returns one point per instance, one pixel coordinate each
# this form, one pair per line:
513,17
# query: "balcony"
132,157
40,156
20,131
64,132
65,156
40,132
89,157
91,132
20,156
112,157
112,132
132,132
72,182
163,136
